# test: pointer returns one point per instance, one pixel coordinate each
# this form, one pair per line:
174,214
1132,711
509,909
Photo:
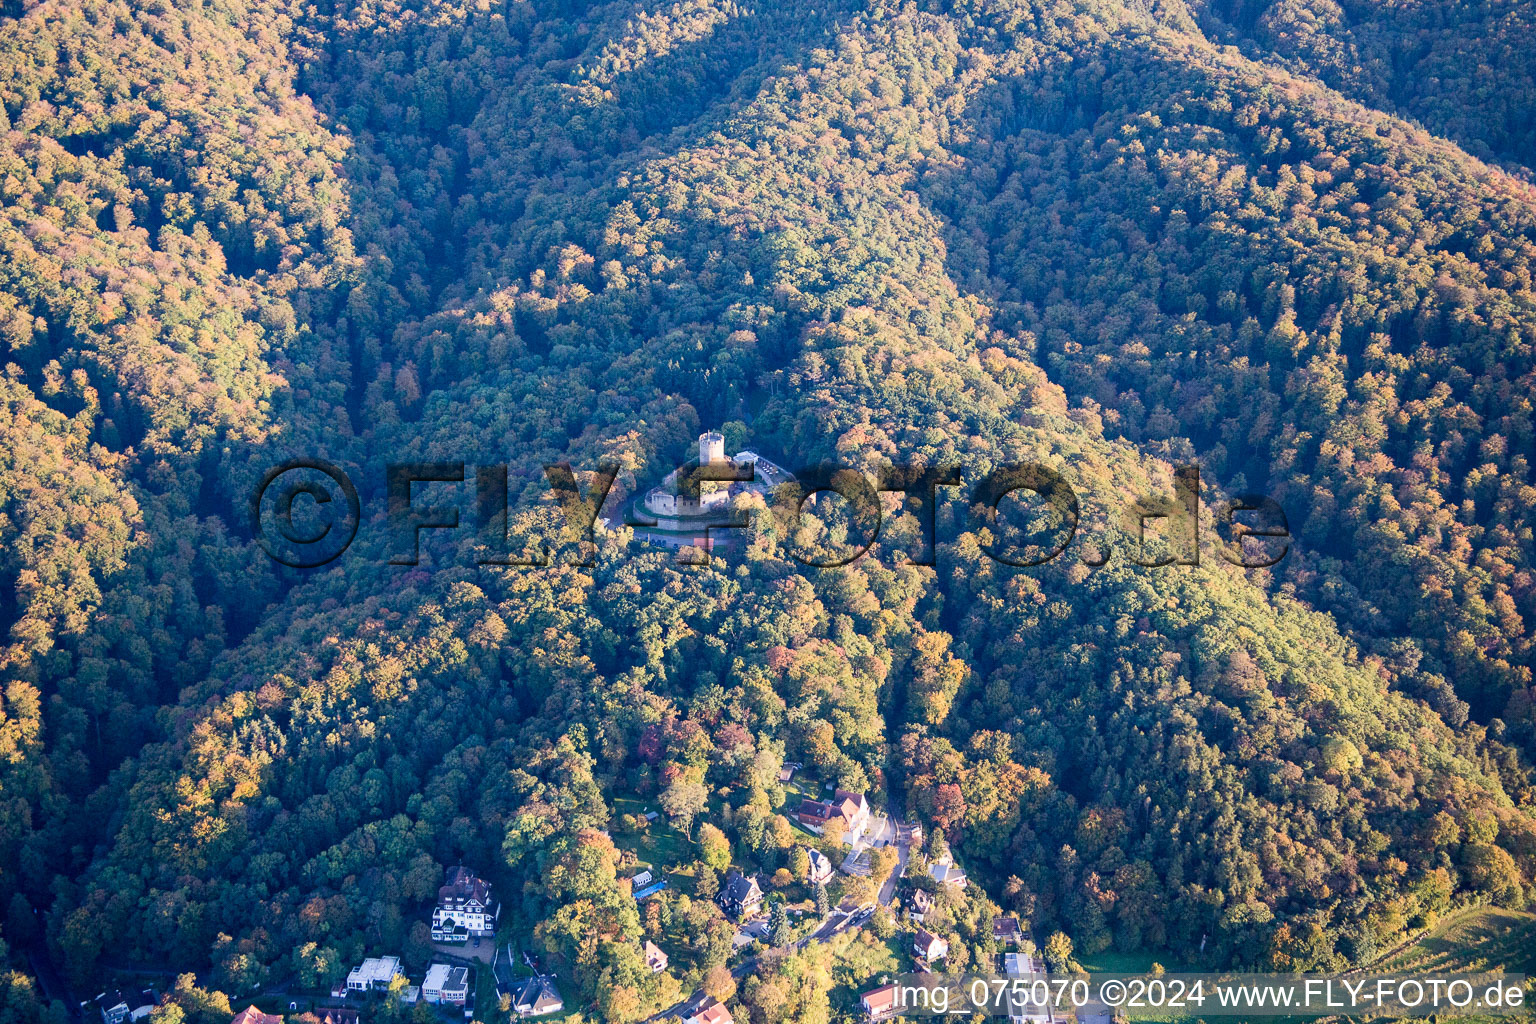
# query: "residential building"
1022,963
466,908
820,871
644,885
1025,1008
945,871
333,1015
880,1003
251,1015
740,896
446,984
119,1007
538,996
815,814
711,1013
373,974
655,957
1027,1004
1006,931
929,946
920,903
113,1007
852,808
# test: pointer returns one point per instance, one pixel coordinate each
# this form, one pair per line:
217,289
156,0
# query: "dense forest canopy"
1290,242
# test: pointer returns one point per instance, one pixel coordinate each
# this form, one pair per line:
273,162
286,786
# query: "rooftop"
251,1015
443,978
463,885
538,995
375,970
715,1013
740,887
879,1000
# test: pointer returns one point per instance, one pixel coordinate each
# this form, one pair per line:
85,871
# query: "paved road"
888,890
835,923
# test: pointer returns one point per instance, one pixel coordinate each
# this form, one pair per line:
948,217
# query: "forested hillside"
1291,242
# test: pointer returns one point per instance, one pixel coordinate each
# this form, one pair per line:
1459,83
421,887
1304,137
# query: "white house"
118,1007
1024,1006
538,996
655,957
853,808
821,867
880,1003
929,946
445,984
373,973
465,908
1022,963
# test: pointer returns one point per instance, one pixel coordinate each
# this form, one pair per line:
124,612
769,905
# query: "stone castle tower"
711,447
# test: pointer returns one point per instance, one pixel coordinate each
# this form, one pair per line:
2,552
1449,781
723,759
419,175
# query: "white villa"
373,973
465,908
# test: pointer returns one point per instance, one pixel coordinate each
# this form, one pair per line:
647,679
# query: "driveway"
750,932
466,950
888,890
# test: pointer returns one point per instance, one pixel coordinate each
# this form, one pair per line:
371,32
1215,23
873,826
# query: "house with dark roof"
466,908
1006,931
945,871
820,870
446,984
537,997
740,896
1096,1012
1027,1004
121,1007
928,946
